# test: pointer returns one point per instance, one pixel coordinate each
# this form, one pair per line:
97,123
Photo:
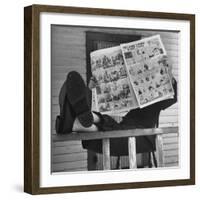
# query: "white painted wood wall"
69,53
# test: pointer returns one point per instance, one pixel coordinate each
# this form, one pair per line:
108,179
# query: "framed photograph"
109,99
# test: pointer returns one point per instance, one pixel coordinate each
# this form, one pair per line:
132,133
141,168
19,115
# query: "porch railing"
131,134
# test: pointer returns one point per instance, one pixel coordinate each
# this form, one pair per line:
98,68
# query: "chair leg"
118,163
154,160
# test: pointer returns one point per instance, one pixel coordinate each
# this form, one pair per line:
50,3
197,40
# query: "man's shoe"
64,121
77,96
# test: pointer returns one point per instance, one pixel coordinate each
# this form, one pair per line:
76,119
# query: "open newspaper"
129,76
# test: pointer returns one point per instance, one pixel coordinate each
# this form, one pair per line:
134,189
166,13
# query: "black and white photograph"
109,99
132,75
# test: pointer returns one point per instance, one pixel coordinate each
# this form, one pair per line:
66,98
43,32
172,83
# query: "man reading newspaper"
76,115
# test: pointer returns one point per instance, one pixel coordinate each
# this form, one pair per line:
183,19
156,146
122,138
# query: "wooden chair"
131,134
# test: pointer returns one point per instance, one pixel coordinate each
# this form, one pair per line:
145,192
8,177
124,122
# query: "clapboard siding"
171,144
67,149
69,157
69,53
70,166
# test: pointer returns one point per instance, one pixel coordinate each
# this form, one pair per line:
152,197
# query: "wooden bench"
131,134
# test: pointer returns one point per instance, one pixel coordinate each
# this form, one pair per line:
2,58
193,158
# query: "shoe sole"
76,93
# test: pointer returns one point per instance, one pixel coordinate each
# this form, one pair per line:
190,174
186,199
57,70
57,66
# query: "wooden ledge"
113,134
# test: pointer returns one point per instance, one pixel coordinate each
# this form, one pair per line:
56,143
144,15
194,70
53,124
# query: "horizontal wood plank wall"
68,53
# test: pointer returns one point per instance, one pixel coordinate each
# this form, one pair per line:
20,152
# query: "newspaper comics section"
131,75
114,91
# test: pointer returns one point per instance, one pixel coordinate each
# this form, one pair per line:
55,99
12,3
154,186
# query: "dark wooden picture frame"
32,93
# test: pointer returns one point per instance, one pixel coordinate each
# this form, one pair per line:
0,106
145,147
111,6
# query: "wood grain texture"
32,117
28,164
